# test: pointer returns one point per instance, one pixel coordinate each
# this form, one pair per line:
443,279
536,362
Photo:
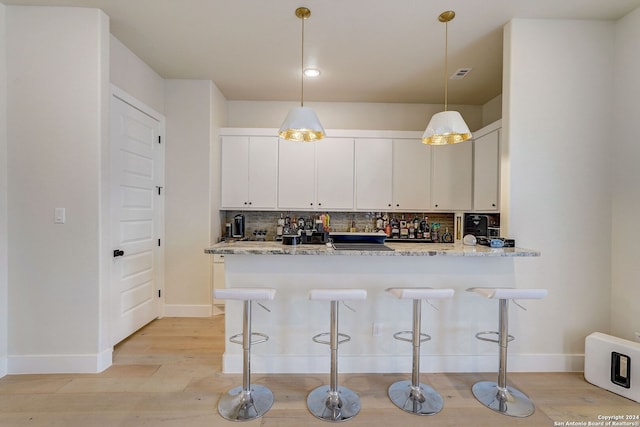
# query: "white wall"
623,142
187,205
132,75
492,110
557,121
218,120
348,115
57,105
3,197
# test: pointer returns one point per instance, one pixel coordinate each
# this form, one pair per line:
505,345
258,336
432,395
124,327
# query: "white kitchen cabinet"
334,173
411,175
218,276
249,172
374,174
316,176
451,177
486,172
296,175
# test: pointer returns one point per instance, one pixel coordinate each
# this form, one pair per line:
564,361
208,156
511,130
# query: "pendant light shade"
302,123
446,127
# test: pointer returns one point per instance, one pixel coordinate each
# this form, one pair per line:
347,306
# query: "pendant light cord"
302,66
446,50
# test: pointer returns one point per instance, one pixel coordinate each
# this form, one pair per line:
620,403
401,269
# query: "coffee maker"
237,226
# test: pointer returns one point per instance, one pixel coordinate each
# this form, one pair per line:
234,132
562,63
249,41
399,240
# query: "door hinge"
158,242
159,293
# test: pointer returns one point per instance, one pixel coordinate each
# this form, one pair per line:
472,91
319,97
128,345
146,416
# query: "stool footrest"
342,338
481,336
399,336
238,338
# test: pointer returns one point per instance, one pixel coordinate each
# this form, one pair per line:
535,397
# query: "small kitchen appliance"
238,226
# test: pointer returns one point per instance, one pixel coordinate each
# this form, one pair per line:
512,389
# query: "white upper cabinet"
374,175
411,175
334,173
249,170
452,177
316,176
486,172
296,175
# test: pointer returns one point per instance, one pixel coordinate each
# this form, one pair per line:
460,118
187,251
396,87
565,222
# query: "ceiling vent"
460,73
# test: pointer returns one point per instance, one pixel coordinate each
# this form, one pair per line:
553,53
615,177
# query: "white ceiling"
367,50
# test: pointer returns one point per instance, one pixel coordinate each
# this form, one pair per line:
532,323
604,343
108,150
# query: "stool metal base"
240,405
507,401
328,406
421,400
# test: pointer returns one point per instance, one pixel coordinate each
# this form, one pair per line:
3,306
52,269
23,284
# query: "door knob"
118,252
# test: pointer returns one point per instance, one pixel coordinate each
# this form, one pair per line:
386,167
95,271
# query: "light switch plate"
59,216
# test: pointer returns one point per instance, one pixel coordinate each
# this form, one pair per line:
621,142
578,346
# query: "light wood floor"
169,374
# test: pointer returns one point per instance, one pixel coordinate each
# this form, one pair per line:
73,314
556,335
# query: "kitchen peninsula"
293,319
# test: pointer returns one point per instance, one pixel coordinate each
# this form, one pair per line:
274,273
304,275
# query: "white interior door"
137,164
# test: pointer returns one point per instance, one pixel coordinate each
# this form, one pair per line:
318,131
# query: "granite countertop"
399,249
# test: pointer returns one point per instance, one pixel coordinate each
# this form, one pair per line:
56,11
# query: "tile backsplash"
340,221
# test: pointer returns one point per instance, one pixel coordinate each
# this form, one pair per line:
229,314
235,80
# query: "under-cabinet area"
356,171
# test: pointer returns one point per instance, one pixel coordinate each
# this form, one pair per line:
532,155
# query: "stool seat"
421,293
510,293
244,294
337,294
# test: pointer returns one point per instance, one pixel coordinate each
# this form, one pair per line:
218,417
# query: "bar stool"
413,396
498,396
333,402
248,401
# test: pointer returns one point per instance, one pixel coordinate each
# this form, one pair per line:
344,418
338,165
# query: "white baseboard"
187,310
287,364
3,366
60,363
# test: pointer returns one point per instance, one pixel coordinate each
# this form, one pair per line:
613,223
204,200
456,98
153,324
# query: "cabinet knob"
389,205
245,203
436,205
311,204
249,203
493,204
397,205
319,204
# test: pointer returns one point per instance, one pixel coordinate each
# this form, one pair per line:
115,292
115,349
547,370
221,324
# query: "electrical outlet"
376,329
637,335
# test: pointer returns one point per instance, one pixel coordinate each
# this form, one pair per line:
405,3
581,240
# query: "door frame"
159,214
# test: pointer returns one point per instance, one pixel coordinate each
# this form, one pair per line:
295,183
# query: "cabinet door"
411,175
334,173
486,172
374,161
234,172
451,177
263,172
296,175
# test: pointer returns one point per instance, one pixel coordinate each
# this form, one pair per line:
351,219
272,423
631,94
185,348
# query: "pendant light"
302,123
446,127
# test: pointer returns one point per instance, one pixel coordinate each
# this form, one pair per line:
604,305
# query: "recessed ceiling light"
311,72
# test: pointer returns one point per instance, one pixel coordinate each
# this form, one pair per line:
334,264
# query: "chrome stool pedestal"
498,396
413,396
333,402
249,401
